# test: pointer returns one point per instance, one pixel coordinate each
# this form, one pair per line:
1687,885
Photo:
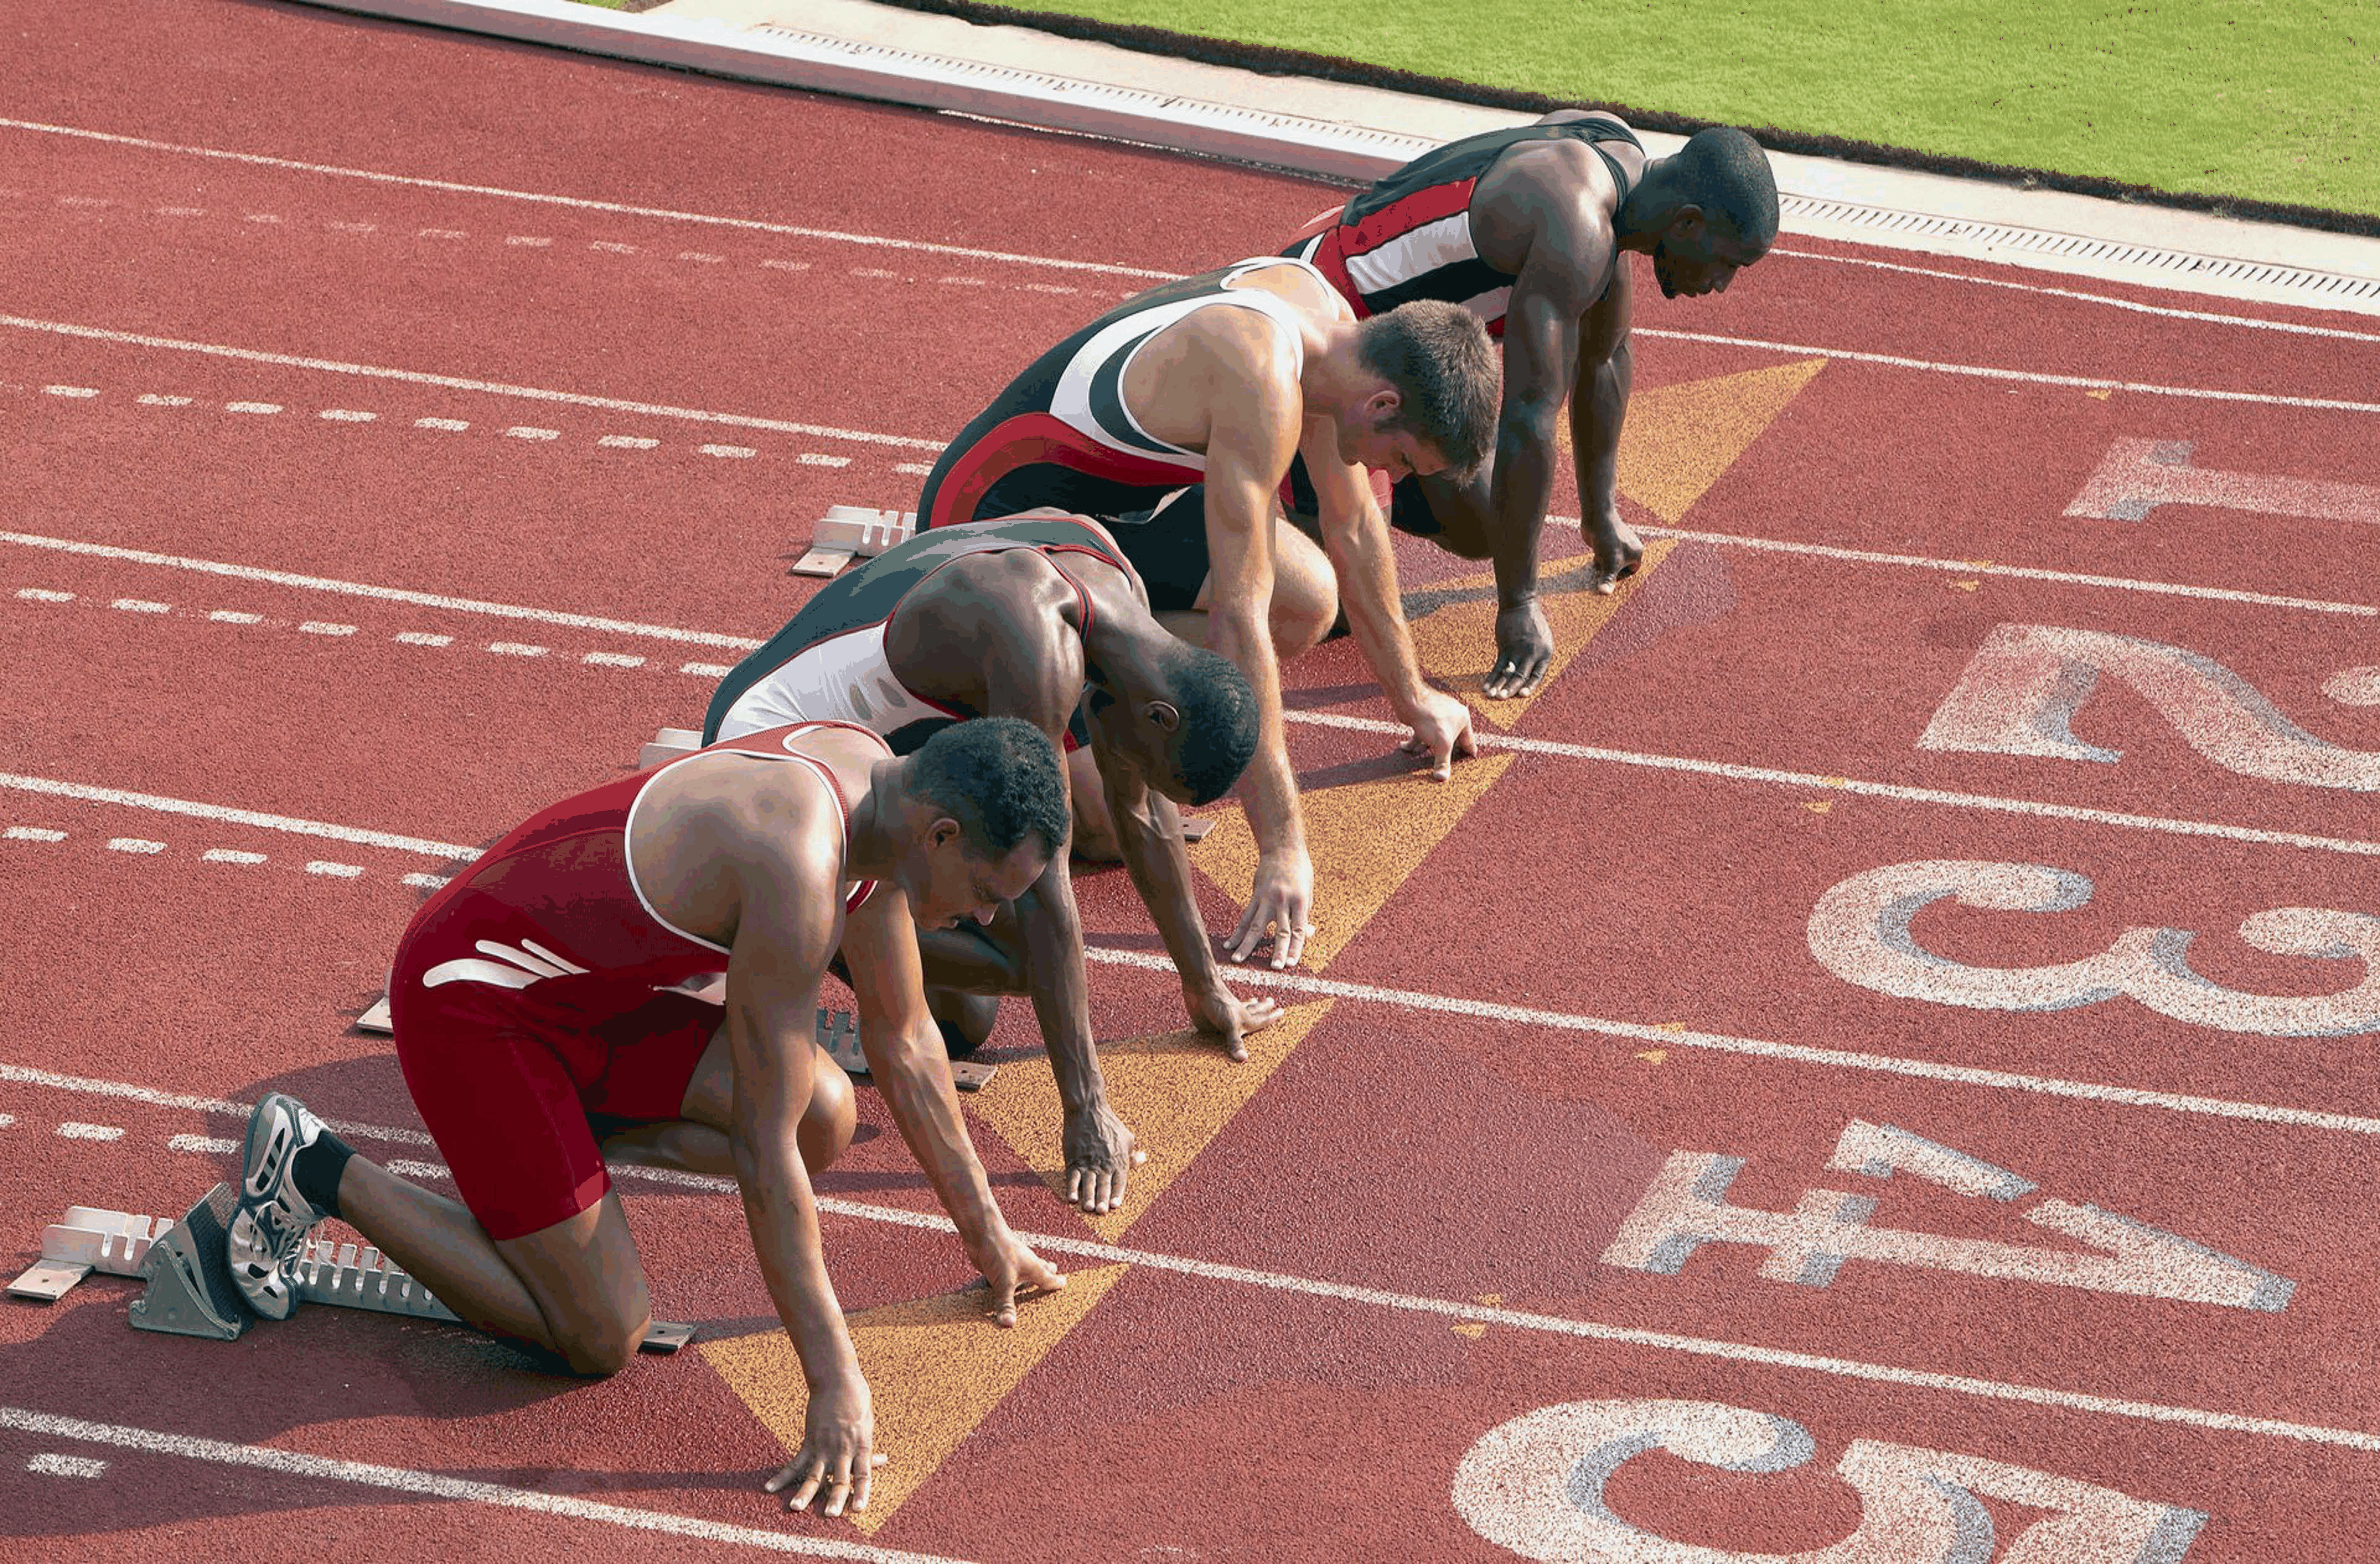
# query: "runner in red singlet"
1523,227
549,984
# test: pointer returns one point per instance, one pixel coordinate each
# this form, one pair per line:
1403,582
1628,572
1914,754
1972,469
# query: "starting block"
838,1036
668,745
847,532
189,1290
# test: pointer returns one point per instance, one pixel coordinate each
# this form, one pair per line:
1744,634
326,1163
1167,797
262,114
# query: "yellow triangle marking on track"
1366,839
1680,440
935,1367
1453,626
1175,1091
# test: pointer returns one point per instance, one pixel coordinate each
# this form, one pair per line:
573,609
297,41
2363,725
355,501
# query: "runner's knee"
1304,593
833,1113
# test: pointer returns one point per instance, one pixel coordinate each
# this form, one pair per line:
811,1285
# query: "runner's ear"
1163,713
943,831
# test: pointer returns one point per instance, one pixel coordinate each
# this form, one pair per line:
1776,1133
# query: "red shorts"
506,1087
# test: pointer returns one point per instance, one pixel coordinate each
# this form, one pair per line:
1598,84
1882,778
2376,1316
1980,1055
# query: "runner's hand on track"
1100,1152
1524,647
1282,901
1012,1271
836,1458
1228,1019
1443,731
1618,549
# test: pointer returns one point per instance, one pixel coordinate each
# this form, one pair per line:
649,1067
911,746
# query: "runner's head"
1437,379
1183,715
984,805
1707,209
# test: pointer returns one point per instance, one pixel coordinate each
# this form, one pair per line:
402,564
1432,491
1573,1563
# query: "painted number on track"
1535,1486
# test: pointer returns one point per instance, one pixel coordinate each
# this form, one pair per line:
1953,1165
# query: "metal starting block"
190,1291
853,531
668,745
838,1034
376,1019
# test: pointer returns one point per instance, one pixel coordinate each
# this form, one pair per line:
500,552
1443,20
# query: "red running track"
1671,1095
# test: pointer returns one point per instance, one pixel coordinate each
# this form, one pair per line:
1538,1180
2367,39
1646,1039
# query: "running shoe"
270,1228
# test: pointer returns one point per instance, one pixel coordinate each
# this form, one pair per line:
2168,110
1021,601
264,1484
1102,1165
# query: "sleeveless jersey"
1409,236
830,663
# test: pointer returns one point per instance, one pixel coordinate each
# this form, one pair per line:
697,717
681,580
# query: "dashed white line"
406,1168
737,451
84,201
526,241
352,227
451,426
251,407
515,649
44,595
34,833
77,392
134,844
527,431
786,265
261,217
48,787
422,638
614,660
54,1465
875,272
962,281
915,469
179,210
1048,287
428,881
214,1145
231,855
443,234
236,616
335,871
707,670
346,415
819,459
324,627
142,605
74,1131
629,442
152,399
700,258
611,246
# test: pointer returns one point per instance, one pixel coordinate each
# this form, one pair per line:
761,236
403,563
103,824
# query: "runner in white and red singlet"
1525,228
549,985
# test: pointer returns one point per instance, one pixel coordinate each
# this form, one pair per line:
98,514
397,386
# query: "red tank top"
554,909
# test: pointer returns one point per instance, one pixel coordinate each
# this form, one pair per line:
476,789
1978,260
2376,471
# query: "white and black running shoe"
270,1228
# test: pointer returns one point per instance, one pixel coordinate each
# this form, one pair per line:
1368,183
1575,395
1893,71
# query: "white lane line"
428,881
53,1465
234,616
43,595
346,415
707,670
151,399
459,382
384,594
335,871
914,470
422,638
527,241
324,627
231,855
157,1097
2170,312
611,246
629,442
819,459
258,408
214,1145
138,845
32,834
73,1130
432,1485
218,812
443,234
523,432
576,204
2027,377
142,605
516,648
1720,1042
1992,567
1810,780
352,227
451,426
613,659
700,258
75,391
732,451
786,265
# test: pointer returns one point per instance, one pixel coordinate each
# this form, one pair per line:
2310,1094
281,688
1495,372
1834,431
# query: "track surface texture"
1874,1057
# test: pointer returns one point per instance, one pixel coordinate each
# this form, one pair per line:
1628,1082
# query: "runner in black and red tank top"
547,985
1525,227
1038,617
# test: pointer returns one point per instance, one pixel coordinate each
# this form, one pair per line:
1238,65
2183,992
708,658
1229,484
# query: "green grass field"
2266,100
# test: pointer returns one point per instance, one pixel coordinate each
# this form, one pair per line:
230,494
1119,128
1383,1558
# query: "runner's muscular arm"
784,936
909,1062
1598,406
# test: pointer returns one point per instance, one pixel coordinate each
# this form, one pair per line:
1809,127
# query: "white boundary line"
432,1485
581,203
1734,773
2028,377
1554,1325
384,594
1720,1042
459,382
228,816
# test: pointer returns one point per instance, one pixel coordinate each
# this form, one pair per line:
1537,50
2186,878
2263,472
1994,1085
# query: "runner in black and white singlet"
1523,227
1037,617
1173,419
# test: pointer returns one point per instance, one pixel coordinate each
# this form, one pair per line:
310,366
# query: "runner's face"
1400,453
958,883
1699,260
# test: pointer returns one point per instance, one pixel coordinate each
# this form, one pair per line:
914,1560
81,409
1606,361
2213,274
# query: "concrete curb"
1354,134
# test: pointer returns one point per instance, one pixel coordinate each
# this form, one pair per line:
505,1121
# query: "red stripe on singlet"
1030,438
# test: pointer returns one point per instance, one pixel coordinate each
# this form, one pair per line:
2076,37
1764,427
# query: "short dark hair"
1219,731
1439,358
1724,171
998,778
